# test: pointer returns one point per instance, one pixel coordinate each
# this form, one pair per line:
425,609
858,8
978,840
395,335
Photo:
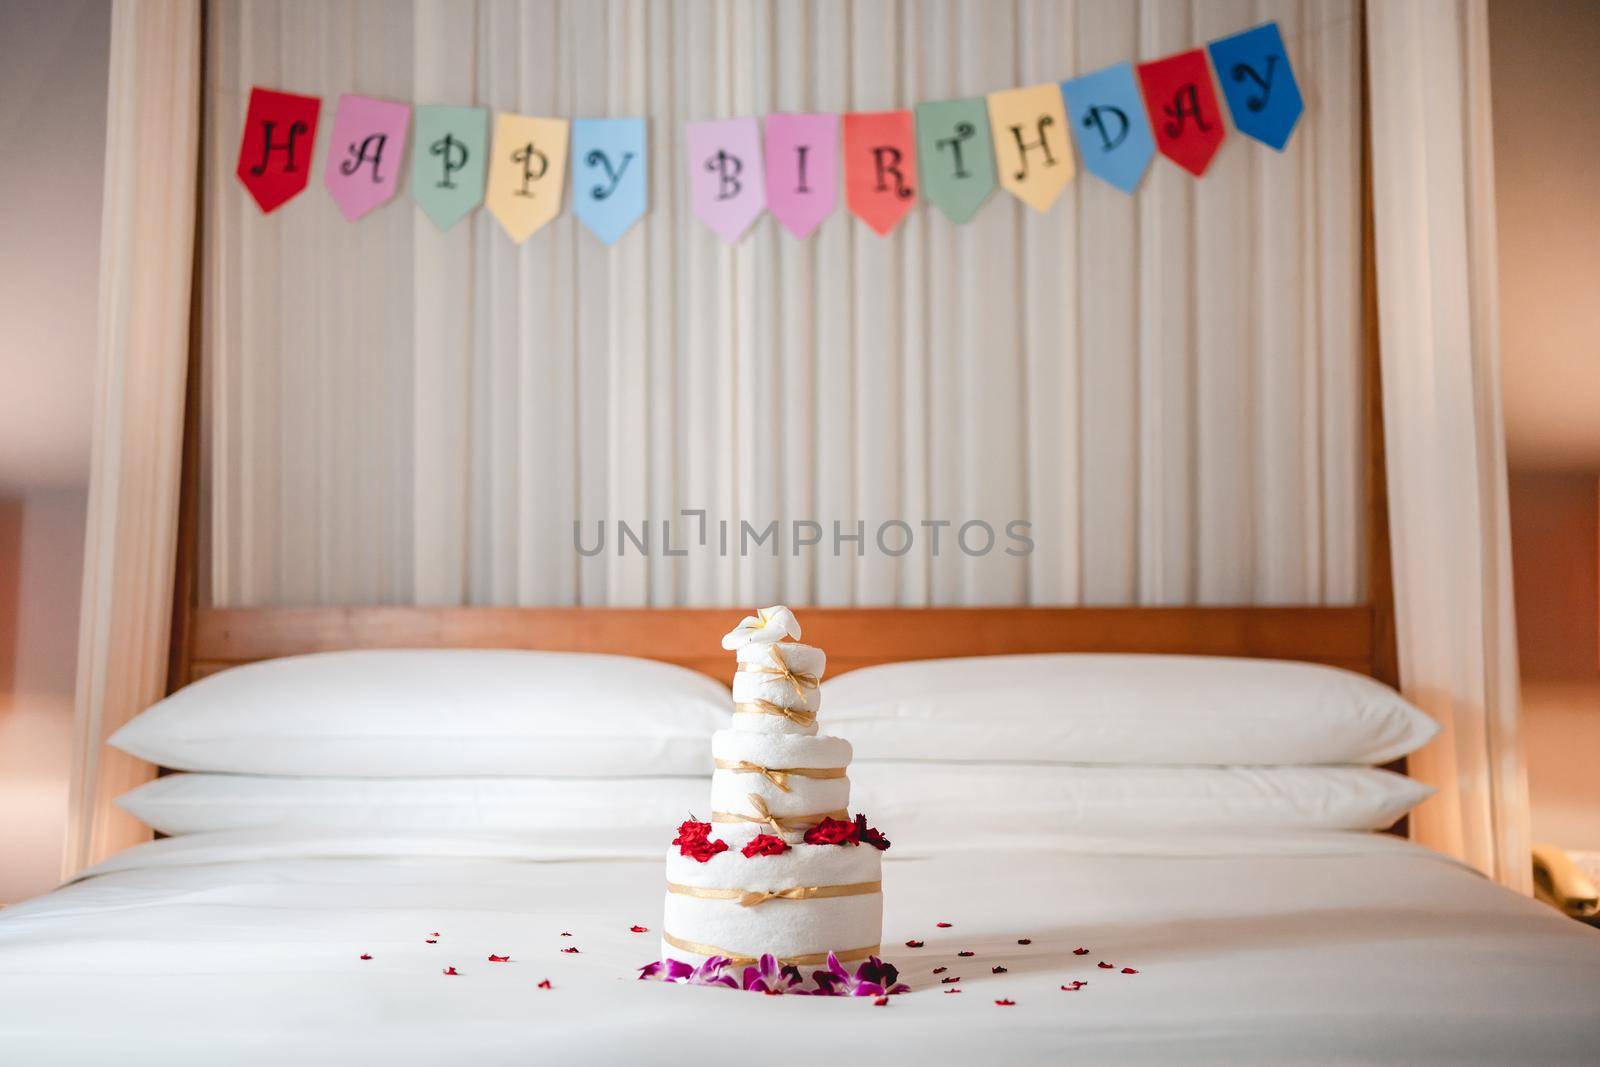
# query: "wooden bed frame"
1360,638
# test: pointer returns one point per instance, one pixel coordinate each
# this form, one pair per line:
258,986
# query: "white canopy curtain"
1433,186
1167,386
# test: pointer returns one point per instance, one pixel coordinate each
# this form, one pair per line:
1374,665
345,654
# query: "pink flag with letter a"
726,186
365,153
802,170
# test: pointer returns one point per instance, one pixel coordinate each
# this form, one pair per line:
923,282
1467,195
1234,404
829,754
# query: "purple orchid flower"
874,978
708,973
768,977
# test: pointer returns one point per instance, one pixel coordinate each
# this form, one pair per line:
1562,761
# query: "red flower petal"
1006,1003
1024,940
965,952
1075,986
499,959
451,970
913,944
944,926
639,929
433,940
565,934
881,1001
952,990
434,934
573,951
365,956
546,984
997,969
1129,970
1104,966
940,970
951,980
1080,952
764,845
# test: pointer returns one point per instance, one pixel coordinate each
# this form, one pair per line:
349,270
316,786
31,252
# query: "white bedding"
243,947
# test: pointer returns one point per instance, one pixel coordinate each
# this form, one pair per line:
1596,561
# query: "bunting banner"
802,169
956,155
1258,84
369,141
1108,121
880,166
950,153
609,175
725,183
527,166
275,148
1030,143
448,163
1183,109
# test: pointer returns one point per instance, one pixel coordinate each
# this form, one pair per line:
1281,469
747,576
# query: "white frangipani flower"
765,627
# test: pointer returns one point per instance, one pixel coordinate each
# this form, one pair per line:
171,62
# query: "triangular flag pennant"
527,168
1032,149
802,163
275,148
880,167
1108,120
449,162
726,186
1259,84
365,153
956,155
609,175
1183,111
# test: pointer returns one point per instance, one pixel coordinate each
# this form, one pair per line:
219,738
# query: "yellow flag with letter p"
527,168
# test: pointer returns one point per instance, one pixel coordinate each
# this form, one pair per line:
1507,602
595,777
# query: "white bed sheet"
244,948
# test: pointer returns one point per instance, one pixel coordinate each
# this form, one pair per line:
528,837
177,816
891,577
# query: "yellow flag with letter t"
527,168
1032,145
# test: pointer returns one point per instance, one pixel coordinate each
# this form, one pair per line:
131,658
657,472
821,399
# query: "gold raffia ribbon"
778,776
798,716
749,898
850,955
779,824
799,682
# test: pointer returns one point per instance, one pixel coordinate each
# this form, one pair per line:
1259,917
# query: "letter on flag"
609,175
1108,121
448,162
1182,106
1259,84
802,169
275,148
1032,149
527,167
956,154
880,167
726,186
365,153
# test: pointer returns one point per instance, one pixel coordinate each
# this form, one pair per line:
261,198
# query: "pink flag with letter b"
726,186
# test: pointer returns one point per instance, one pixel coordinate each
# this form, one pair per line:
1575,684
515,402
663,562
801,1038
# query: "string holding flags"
950,153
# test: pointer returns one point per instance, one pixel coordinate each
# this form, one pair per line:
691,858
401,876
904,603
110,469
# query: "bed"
272,945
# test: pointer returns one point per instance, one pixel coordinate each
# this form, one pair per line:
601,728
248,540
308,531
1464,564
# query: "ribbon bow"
744,766
749,898
798,716
798,681
779,824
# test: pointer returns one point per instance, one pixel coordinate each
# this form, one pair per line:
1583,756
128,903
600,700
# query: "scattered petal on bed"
451,970
1104,966
1074,986
1129,970
433,940
944,926
881,1001
639,929
573,951
546,984
565,934
1080,952
365,956
499,959
1006,1003
940,970
953,990
966,952
913,943
953,978
1024,940
997,969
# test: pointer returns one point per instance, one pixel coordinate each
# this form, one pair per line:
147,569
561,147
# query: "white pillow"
384,714
1121,709
199,803
927,806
